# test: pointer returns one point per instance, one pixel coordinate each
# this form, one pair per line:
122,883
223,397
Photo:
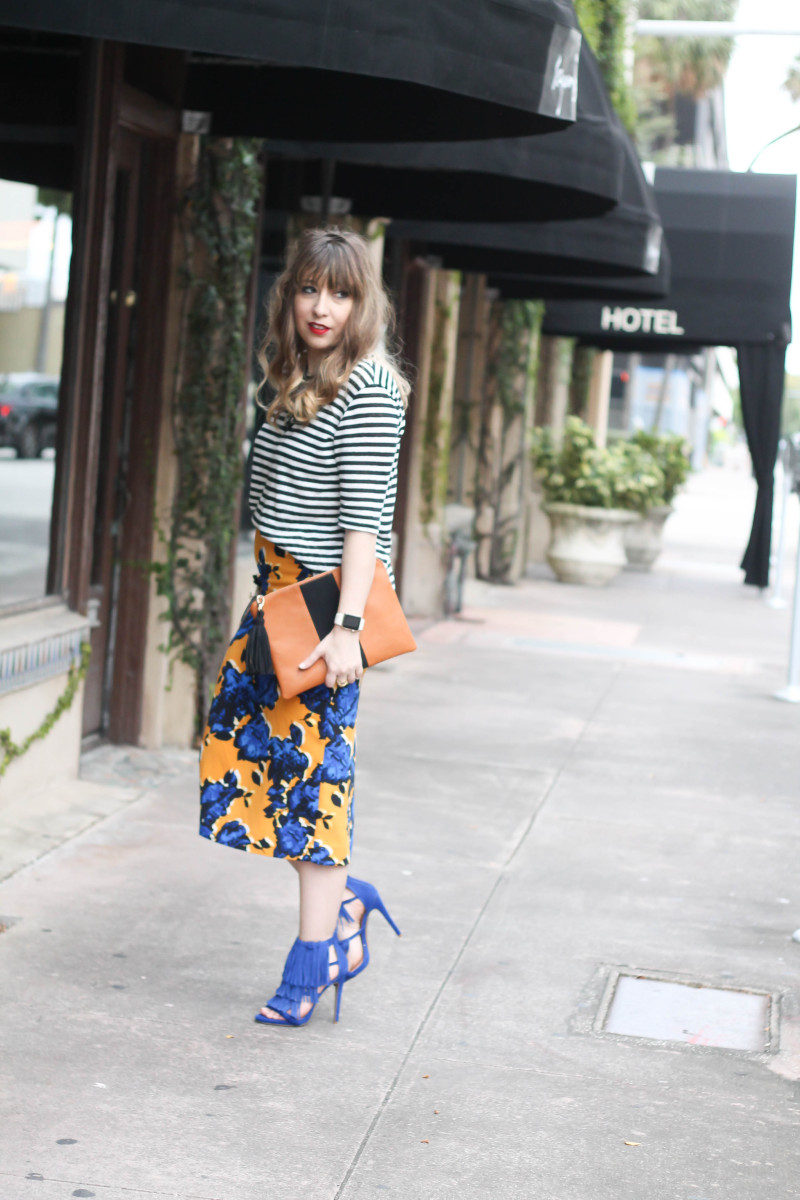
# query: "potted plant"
591,495
643,538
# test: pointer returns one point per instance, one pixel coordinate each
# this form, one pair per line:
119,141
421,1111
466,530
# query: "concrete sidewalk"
561,785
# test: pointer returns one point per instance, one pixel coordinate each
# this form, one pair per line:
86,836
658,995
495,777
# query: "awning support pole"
792,690
776,600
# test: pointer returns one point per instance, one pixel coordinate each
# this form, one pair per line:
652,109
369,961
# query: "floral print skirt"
276,775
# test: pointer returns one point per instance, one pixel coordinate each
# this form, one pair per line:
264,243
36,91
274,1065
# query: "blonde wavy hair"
340,260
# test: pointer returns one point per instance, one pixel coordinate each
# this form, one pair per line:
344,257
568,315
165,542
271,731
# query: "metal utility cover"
700,1015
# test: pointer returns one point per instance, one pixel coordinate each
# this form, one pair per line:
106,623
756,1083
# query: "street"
26,496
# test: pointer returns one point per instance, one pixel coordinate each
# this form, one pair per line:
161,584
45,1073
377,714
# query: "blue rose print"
302,801
215,799
336,707
345,704
285,760
236,699
245,623
277,800
321,854
316,698
234,833
253,740
292,837
265,689
337,763
264,573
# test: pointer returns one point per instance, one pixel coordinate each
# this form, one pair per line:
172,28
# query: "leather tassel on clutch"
289,622
257,657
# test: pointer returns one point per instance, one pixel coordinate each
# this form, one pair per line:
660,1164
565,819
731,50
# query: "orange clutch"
289,622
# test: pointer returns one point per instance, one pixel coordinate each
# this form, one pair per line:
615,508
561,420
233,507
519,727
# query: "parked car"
28,412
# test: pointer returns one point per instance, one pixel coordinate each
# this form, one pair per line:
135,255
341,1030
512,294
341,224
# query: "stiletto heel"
306,976
383,910
370,898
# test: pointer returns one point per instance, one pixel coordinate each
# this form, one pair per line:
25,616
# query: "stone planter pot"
643,538
586,544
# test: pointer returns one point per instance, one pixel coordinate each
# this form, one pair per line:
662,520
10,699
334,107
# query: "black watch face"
350,622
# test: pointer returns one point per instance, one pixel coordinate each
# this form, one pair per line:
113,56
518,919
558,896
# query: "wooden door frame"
107,105
114,422
85,325
125,714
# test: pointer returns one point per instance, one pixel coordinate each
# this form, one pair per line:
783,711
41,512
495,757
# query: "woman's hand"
342,654
340,648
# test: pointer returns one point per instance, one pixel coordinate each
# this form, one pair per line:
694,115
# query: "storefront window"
35,248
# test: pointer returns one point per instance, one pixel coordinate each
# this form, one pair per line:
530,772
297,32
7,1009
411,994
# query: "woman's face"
320,317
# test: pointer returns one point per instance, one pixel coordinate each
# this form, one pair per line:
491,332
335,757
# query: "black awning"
731,238
366,70
585,287
576,171
625,240
41,83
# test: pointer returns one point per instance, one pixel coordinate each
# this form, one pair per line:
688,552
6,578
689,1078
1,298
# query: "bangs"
330,264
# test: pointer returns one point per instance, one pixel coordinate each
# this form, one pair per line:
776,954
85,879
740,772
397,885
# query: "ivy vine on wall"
502,458
75,675
436,433
219,222
606,25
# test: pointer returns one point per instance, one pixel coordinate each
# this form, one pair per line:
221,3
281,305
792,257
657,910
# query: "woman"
277,774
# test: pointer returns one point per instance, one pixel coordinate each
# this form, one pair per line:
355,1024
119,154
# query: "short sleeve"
257,466
366,447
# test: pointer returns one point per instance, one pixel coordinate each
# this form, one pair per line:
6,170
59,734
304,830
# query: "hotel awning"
624,241
323,69
608,288
574,172
731,238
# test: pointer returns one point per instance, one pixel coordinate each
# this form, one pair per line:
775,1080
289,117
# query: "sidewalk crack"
117,1187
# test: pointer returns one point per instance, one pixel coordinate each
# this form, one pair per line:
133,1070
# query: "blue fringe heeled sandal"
306,975
370,898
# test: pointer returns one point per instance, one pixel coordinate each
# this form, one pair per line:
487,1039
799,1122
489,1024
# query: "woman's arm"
340,648
365,451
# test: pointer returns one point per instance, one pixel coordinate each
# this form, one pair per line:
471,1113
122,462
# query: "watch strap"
348,621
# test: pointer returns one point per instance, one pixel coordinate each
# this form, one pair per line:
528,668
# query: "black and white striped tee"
310,483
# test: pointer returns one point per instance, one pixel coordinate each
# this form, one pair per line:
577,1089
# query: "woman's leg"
345,929
321,892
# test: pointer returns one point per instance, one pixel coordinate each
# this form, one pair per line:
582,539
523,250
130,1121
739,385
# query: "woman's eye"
342,295
307,289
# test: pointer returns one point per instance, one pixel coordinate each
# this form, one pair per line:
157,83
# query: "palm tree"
669,68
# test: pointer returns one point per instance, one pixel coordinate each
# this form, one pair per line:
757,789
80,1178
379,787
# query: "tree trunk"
663,391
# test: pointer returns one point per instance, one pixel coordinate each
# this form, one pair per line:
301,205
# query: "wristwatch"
348,621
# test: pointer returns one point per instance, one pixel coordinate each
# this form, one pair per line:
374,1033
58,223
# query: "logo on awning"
560,91
662,321
652,250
